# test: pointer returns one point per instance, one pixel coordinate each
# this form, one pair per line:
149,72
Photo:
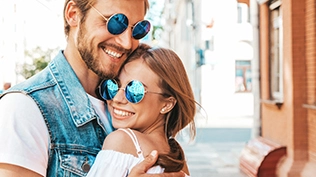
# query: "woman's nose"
120,96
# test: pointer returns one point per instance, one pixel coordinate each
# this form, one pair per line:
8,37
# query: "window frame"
275,50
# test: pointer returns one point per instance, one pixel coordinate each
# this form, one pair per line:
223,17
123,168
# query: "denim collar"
73,93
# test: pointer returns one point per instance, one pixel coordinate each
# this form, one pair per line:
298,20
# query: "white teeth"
113,54
121,113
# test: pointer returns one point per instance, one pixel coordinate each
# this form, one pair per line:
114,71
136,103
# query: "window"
209,44
275,52
243,80
242,13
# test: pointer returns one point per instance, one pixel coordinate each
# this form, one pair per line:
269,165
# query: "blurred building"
25,25
275,50
214,39
11,40
288,87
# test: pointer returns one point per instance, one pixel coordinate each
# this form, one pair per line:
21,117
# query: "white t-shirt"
23,133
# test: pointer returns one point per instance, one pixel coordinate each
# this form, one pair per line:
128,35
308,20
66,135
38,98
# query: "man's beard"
93,63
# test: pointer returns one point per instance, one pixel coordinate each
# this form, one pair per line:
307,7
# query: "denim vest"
76,133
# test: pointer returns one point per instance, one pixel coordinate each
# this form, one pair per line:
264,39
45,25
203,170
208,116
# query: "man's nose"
125,39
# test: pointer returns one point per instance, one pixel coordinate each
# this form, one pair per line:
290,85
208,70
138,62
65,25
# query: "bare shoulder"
119,141
150,142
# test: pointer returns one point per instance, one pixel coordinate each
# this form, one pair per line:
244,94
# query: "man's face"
103,52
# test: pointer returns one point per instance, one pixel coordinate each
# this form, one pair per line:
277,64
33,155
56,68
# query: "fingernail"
153,153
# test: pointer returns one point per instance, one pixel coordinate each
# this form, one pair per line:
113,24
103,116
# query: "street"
215,152
220,138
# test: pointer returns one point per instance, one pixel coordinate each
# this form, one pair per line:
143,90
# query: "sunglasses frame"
125,90
132,26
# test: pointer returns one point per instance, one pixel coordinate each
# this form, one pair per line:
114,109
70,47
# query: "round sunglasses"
118,23
134,90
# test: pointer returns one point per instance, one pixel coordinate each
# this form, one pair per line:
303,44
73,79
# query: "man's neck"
88,79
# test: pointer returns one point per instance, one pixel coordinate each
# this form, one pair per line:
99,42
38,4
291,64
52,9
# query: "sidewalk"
214,159
217,147
224,126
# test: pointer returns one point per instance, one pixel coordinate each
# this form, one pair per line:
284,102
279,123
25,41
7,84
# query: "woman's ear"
168,106
72,14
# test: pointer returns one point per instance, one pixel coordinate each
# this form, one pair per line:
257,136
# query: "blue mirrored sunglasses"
134,90
118,23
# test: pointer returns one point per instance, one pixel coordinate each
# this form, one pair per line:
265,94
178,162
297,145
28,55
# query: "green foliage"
155,16
40,59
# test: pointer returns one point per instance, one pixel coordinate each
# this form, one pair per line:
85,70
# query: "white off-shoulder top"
117,164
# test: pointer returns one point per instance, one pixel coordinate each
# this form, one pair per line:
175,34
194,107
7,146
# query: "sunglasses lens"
108,89
117,24
141,29
134,91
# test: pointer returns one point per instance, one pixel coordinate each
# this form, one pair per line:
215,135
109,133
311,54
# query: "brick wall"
311,74
294,123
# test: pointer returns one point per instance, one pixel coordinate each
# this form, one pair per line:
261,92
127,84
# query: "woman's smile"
122,113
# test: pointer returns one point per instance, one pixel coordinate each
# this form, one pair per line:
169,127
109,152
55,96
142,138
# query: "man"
53,124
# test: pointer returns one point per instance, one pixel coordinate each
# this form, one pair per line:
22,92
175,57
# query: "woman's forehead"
138,70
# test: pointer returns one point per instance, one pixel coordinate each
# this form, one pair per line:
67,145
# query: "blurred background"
251,64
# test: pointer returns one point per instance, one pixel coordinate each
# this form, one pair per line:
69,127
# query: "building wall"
309,169
11,40
182,35
23,29
293,122
189,26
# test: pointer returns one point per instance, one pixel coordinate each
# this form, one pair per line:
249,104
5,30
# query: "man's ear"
168,106
72,14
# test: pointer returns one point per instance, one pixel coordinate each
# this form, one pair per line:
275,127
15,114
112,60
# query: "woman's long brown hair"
174,82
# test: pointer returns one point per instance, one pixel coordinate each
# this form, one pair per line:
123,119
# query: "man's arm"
7,170
140,169
24,144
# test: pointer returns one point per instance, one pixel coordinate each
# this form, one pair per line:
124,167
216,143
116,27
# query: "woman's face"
145,115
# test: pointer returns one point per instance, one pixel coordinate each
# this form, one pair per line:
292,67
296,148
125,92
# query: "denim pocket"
75,162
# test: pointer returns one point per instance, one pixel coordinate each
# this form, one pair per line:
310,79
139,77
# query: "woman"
150,102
